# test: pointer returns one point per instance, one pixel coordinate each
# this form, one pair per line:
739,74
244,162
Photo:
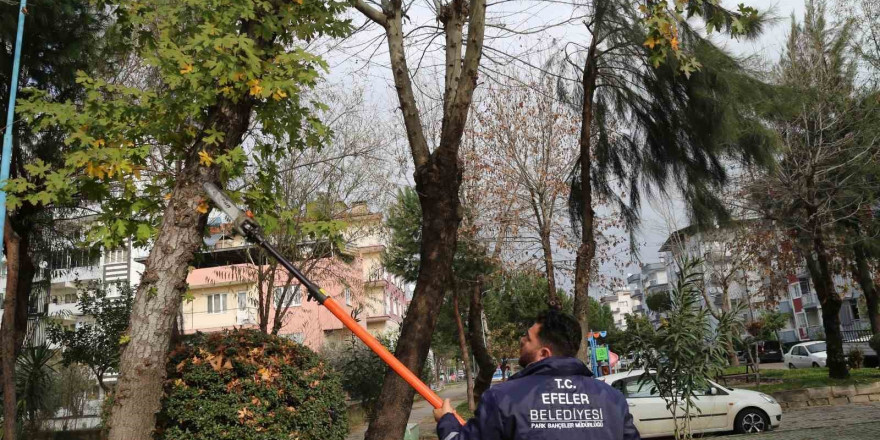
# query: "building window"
854,306
622,303
217,303
800,319
294,296
348,296
242,300
805,286
119,255
295,337
795,291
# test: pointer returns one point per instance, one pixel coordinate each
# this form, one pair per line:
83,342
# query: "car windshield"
816,348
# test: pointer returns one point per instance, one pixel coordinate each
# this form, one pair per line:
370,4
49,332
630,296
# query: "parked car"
767,352
806,355
717,409
770,351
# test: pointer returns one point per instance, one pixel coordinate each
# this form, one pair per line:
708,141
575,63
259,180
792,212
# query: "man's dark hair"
559,331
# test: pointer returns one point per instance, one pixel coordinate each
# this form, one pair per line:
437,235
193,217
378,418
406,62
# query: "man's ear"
545,352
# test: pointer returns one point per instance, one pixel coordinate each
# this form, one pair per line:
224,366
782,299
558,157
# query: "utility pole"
10,113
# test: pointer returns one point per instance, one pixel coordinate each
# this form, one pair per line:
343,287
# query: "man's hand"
443,410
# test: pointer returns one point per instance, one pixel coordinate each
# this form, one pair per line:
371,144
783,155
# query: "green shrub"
659,302
362,372
246,385
874,343
855,359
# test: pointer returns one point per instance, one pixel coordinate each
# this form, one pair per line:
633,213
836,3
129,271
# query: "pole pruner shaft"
247,227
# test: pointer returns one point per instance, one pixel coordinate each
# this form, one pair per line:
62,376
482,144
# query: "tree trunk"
142,363
862,273
552,295
475,332
465,356
820,273
587,250
725,308
8,350
437,184
437,179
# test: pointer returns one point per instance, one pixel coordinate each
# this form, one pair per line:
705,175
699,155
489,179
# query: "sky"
363,59
769,47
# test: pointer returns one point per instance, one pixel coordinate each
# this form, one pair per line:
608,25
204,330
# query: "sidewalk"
855,421
421,411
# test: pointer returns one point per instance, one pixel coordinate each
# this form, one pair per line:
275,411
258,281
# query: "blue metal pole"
10,113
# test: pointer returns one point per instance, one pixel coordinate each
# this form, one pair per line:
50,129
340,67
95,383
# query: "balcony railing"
244,317
810,300
71,274
816,332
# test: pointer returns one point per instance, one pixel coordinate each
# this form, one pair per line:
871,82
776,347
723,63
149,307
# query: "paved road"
844,422
857,421
422,412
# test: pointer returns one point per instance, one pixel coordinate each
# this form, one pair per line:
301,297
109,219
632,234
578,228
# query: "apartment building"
223,288
754,291
622,303
56,283
229,296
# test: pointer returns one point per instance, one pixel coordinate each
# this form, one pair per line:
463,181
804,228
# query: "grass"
808,378
463,411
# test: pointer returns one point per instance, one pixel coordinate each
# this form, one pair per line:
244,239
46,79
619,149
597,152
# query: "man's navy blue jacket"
553,399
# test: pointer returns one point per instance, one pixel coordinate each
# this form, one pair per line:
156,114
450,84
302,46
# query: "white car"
717,409
806,355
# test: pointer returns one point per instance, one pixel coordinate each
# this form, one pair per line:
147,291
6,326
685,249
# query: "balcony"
785,307
67,277
810,300
64,310
245,317
816,332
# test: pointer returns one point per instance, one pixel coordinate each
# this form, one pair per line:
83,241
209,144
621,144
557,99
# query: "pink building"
228,296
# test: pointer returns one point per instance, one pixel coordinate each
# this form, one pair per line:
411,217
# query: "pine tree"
657,125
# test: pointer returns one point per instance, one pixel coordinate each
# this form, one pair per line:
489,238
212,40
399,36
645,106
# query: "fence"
856,335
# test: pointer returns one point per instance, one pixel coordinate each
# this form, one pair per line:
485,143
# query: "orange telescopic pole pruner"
247,227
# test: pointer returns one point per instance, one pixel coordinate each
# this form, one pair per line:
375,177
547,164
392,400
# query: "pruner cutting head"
242,221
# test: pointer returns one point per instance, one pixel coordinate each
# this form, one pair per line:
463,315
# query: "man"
553,397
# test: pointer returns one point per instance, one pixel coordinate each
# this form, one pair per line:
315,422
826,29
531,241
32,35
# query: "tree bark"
437,179
587,250
552,295
437,185
481,353
142,363
11,243
862,273
465,356
725,308
820,272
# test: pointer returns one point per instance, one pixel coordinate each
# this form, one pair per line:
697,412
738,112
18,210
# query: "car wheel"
790,366
815,365
751,420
